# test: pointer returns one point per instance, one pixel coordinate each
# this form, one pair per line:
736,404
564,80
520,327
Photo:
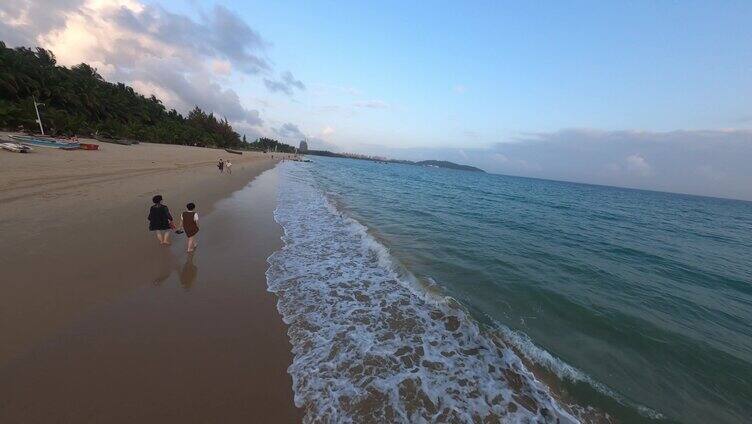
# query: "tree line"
271,145
78,101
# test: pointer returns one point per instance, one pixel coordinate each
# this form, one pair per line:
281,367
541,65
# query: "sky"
654,95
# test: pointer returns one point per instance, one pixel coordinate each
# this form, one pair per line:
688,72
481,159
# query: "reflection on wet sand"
188,273
168,264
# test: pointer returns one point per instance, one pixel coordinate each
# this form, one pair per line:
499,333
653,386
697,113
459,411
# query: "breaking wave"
370,345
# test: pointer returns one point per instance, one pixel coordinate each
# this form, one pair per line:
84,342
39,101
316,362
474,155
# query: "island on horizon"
425,163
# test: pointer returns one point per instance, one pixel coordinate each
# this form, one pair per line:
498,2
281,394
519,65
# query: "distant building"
303,146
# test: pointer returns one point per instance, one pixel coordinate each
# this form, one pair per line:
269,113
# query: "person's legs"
166,237
191,244
159,237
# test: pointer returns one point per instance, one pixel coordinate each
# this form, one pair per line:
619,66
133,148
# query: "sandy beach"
98,323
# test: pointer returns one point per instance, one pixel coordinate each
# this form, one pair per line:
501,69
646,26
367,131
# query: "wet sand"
98,323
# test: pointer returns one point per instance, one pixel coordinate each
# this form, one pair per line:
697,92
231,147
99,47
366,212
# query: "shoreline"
98,322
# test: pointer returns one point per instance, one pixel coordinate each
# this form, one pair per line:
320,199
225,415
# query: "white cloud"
327,130
638,165
459,89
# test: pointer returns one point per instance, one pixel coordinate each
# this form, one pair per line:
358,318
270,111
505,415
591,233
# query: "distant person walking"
228,165
221,166
189,222
160,220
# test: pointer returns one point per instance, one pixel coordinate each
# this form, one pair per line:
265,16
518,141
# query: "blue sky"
456,74
621,93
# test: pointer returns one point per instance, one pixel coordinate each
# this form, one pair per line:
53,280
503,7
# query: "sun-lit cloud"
327,130
182,60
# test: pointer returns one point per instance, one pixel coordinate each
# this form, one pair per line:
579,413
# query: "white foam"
368,346
564,371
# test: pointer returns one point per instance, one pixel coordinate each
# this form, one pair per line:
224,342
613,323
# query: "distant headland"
425,163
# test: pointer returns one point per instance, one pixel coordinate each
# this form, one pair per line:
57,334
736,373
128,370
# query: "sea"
430,295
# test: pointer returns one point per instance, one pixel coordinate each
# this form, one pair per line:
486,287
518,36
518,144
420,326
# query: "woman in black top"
160,220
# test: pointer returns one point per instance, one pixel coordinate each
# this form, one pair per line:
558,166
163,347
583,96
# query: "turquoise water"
640,303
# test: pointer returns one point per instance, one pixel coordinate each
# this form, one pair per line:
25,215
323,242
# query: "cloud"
181,59
251,132
352,91
371,104
327,90
286,84
292,134
498,157
197,89
21,21
711,163
316,143
219,33
221,67
459,89
289,132
638,165
471,134
677,161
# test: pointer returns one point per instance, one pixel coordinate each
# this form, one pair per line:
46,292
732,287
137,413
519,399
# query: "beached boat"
122,141
88,146
44,142
15,147
237,152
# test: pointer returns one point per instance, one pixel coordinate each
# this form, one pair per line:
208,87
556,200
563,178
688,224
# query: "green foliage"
271,145
78,101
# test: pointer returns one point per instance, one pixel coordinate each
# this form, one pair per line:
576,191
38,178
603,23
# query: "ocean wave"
532,352
369,345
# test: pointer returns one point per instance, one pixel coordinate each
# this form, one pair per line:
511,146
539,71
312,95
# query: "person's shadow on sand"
188,273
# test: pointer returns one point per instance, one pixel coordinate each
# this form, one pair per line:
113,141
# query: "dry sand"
98,323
